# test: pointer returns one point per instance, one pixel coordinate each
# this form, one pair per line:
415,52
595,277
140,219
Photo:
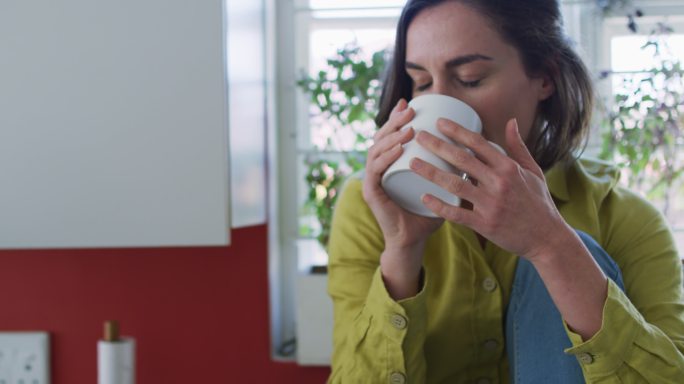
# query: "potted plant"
608,7
344,95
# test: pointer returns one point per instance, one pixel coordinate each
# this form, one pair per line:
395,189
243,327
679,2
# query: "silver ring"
465,177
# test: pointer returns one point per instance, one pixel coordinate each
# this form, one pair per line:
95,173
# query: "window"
324,27
309,32
629,61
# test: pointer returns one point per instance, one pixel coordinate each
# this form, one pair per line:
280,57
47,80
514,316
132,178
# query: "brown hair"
535,29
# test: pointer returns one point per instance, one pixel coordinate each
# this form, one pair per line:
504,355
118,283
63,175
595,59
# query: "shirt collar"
557,183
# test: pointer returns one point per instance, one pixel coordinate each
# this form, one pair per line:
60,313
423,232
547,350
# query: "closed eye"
470,84
424,87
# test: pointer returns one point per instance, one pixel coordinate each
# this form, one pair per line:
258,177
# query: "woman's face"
452,50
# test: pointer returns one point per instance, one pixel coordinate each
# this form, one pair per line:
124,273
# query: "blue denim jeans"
535,336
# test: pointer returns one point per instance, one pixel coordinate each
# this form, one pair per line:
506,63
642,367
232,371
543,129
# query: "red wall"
199,315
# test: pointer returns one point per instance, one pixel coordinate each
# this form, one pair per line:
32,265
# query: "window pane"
627,55
349,9
631,62
339,4
328,169
324,44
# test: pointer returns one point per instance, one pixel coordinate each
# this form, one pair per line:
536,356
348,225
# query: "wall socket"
24,358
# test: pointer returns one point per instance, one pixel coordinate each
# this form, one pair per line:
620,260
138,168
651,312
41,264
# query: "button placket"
489,284
488,324
585,358
490,345
397,378
398,321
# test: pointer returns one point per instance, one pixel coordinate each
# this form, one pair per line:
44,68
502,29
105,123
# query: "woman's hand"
404,233
400,228
512,206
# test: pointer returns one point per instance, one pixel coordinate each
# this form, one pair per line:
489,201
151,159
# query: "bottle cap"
111,330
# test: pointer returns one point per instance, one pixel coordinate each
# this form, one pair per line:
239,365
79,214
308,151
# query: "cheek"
494,111
497,108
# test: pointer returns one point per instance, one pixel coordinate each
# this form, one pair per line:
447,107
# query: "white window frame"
616,26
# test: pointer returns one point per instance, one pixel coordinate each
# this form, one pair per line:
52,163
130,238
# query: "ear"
546,87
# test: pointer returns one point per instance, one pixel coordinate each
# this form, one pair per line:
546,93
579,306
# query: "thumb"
517,149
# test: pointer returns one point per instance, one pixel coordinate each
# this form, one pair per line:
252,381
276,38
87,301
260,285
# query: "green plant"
345,94
614,6
644,130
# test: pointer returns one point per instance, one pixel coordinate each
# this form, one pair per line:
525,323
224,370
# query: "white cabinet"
113,124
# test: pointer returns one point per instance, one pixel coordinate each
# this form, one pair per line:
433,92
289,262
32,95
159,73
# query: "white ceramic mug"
406,187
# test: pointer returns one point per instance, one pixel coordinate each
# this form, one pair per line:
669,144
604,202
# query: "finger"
400,106
389,142
450,212
471,140
380,165
450,182
401,117
517,149
454,155
375,171
395,122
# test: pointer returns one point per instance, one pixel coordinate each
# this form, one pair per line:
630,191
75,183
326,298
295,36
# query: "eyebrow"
455,62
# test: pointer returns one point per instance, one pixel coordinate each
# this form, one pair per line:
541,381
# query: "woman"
551,273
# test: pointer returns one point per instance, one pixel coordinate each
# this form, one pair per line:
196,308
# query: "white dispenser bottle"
115,357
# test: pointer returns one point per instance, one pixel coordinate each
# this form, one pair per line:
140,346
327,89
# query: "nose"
443,86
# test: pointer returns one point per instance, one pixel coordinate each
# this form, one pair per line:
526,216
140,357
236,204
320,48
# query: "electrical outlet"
24,358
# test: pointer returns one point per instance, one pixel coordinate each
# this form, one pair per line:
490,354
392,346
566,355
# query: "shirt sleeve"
375,339
641,339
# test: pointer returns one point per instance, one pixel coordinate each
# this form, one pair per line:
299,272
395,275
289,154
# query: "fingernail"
397,107
517,129
421,136
415,163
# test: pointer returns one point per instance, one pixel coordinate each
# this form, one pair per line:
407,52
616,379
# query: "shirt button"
397,378
585,358
484,381
398,321
489,284
490,344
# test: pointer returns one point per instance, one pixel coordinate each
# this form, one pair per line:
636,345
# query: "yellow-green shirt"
453,330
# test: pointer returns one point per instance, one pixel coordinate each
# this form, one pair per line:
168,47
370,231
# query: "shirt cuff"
398,317
404,326
604,352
